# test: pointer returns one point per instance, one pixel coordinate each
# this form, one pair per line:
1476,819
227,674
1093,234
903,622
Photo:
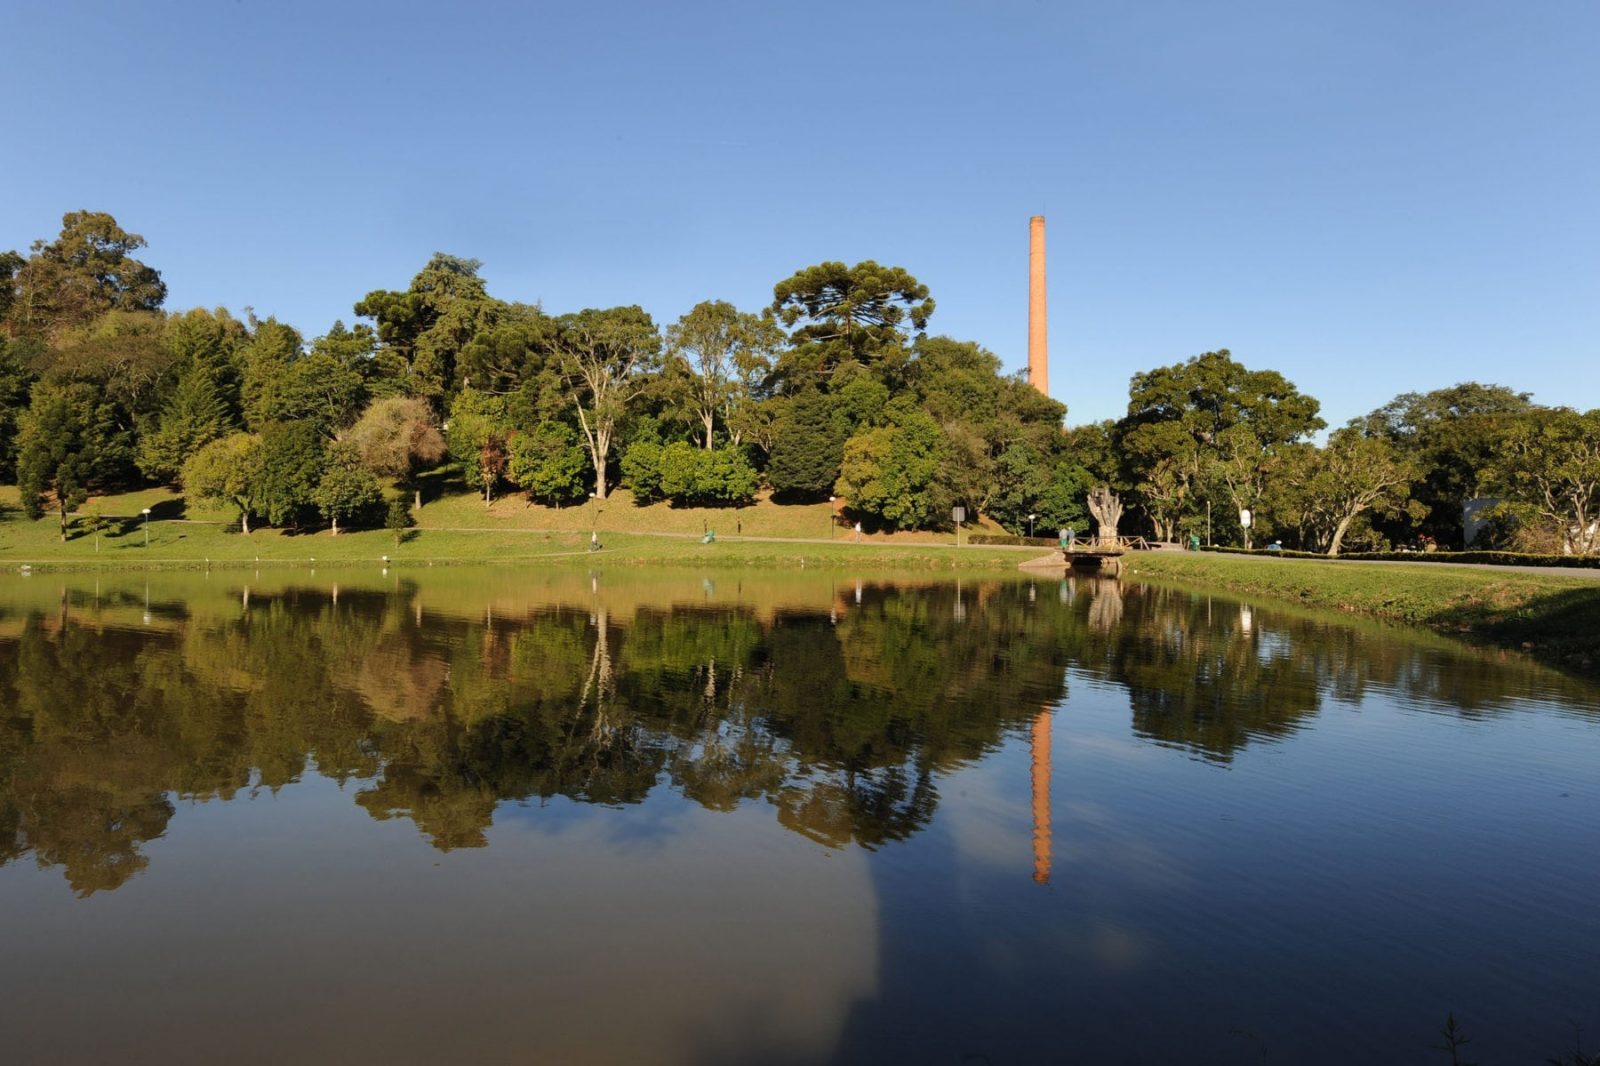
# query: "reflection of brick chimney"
1038,347
1040,747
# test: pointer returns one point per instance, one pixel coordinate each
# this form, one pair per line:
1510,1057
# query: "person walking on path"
858,532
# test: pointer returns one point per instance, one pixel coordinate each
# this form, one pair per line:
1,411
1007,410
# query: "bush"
1008,538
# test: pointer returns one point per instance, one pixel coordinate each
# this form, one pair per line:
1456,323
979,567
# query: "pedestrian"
594,541
858,531
1072,537
738,527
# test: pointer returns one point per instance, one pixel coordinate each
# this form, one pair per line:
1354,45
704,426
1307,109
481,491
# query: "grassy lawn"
458,529
1555,616
450,505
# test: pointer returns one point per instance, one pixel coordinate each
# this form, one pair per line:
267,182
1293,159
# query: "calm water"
650,817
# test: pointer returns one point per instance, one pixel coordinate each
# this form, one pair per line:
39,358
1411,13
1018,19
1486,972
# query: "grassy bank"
1554,616
455,527
180,538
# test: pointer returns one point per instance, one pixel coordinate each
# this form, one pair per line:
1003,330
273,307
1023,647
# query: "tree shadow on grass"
1559,627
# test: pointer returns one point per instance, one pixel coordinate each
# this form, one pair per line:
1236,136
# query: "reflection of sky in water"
572,937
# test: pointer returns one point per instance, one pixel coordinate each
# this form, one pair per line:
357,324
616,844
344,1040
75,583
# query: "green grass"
458,529
1554,616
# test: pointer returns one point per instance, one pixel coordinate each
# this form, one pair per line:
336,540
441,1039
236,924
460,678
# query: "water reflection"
655,816
837,705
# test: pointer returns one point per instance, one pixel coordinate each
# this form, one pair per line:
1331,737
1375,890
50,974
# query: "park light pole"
147,527
830,517
1031,517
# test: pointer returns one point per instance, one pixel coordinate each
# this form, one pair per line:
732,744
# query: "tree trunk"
244,521
1338,534
598,450
709,420
335,521
419,497
62,505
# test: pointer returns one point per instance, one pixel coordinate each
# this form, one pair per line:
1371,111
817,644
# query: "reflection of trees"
842,724
1211,675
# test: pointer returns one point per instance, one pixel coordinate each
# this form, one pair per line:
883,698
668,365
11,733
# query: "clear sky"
1372,196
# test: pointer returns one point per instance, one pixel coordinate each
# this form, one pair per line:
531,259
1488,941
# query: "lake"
646,816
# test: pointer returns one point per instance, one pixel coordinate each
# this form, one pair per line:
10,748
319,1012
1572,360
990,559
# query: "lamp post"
594,522
1031,517
147,527
830,517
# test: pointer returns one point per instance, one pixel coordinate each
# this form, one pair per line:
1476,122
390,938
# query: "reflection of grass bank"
1555,616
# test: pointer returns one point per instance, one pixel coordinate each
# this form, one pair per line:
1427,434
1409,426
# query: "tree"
548,463
838,313
213,339
346,491
428,326
477,435
85,272
1358,474
227,471
1454,436
397,437
1551,463
123,357
16,382
807,447
604,358
892,473
272,349
398,518
291,466
727,354
65,442
1170,437
194,417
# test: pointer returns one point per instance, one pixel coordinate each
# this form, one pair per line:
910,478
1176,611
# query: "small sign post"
958,515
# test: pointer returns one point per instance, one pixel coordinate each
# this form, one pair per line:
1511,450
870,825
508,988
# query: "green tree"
1550,463
866,314
66,441
16,382
1356,474
397,437
1169,438
227,471
85,272
605,359
346,492
290,468
726,355
641,469
892,473
477,435
427,327
548,463
271,349
807,447
194,417
1454,436
213,339
398,518
510,351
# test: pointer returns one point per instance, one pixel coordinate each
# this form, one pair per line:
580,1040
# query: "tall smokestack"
1038,344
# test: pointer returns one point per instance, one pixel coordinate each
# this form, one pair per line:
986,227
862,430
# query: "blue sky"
1371,197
